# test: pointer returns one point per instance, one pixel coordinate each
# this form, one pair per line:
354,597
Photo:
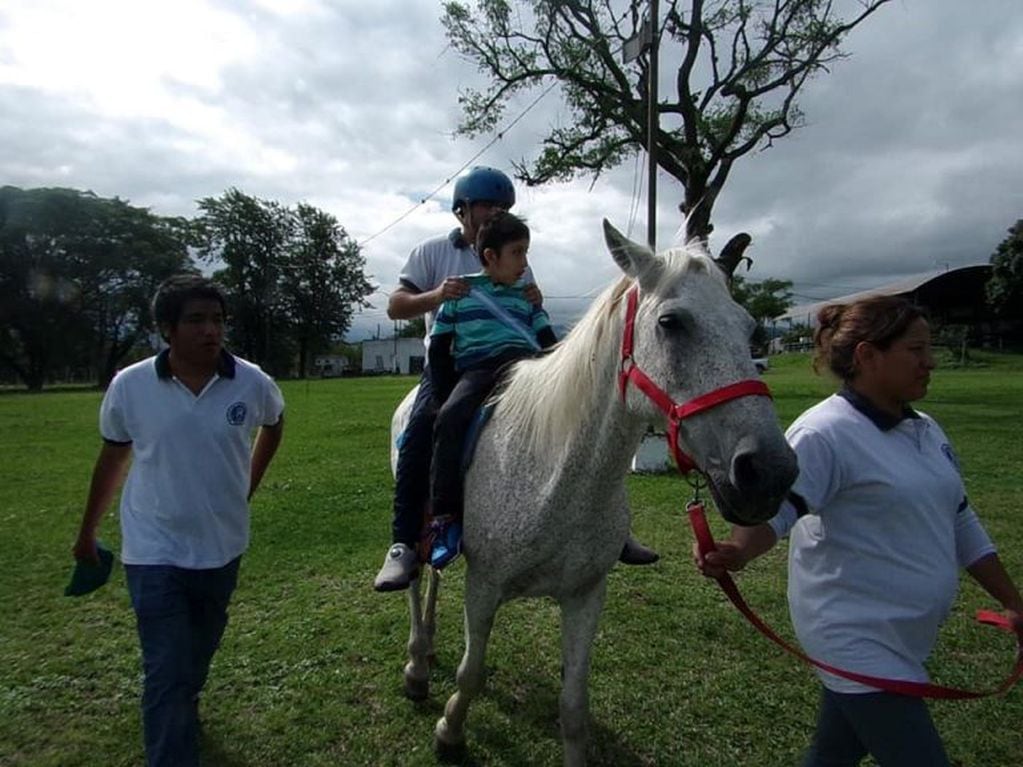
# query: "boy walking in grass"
184,420
473,339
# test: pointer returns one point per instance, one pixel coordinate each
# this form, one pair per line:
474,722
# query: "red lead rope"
705,542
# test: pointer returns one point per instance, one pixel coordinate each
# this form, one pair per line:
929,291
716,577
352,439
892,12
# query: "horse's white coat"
546,512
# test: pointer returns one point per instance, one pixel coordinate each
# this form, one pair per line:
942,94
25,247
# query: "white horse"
546,512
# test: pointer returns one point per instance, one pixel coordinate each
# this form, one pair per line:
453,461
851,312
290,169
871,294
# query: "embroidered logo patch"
950,454
236,414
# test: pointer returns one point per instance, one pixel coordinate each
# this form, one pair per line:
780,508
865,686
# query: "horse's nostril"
761,472
745,475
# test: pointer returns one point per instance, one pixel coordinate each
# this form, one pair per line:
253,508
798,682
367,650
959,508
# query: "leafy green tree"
250,238
1005,288
76,275
146,249
293,276
323,282
738,67
764,301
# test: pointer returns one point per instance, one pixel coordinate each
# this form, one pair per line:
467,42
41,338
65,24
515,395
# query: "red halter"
675,413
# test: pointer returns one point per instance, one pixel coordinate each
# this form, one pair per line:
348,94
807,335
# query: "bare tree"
739,65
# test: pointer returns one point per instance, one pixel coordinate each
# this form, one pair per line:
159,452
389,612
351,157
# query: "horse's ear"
637,261
732,254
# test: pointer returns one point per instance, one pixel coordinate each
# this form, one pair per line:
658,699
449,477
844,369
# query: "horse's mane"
548,397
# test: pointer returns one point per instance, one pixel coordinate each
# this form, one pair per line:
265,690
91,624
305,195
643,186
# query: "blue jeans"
895,729
181,615
412,472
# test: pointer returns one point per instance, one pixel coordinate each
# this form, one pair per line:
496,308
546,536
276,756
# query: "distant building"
405,356
330,365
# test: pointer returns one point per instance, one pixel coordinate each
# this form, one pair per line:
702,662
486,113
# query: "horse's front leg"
481,601
580,615
422,619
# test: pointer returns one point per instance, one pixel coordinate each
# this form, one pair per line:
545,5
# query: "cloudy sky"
911,159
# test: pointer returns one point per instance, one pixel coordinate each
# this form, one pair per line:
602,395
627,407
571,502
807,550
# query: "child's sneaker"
447,542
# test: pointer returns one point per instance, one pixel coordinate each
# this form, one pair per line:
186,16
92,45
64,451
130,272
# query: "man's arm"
407,302
267,441
107,476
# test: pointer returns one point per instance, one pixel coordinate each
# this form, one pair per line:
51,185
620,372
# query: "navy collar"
225,365
458,240
882,420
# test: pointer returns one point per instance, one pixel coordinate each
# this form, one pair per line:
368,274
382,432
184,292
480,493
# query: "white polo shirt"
434,260
184,502
874,565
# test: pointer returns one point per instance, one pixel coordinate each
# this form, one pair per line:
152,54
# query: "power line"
466,164
638,173
494,140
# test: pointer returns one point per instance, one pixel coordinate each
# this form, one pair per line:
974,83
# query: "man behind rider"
432,275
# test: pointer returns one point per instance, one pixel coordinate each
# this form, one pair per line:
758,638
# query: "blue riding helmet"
483,183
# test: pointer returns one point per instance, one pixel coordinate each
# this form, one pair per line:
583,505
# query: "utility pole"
652,120
647,40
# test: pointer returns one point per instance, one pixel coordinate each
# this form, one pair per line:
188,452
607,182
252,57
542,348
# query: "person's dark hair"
879,320
176,291
503,228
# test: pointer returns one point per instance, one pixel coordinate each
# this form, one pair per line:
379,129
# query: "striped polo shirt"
478,334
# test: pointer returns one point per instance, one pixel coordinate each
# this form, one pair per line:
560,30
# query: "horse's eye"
670,322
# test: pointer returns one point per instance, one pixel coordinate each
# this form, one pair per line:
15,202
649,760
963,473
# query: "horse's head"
690,339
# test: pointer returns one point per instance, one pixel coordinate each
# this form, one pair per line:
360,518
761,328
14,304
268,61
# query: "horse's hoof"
417,689
449,753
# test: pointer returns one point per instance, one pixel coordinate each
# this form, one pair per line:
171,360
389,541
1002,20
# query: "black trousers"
453,419
895,729
412,475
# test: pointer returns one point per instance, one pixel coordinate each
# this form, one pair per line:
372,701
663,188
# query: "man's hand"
84,549
533,294
451,289
407,302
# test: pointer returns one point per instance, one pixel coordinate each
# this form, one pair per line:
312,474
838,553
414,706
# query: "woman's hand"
1016,621
744,545
728,557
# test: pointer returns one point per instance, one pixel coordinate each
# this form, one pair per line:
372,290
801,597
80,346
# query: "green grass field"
310,669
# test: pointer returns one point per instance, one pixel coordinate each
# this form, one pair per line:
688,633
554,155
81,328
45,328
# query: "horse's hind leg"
480,606
422,615
580,615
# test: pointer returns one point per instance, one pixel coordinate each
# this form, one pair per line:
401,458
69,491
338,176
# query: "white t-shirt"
874,566
184,502
434,260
